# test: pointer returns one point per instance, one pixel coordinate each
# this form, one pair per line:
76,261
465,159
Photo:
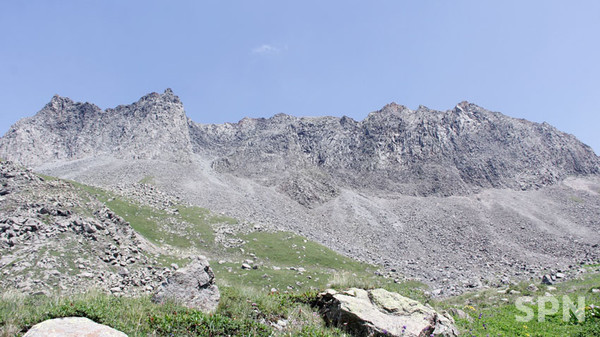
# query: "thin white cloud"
266,49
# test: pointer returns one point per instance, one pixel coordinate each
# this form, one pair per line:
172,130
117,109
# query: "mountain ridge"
455,198
416,152
73,130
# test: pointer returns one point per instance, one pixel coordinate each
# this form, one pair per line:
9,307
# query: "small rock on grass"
193,286
72,327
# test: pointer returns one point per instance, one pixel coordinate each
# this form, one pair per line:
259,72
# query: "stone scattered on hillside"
379,312
55,236
547,279
460,314
193,287
72,327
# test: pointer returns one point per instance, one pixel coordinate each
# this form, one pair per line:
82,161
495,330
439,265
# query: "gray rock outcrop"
379,312
155,127
413,152
72,327
193,287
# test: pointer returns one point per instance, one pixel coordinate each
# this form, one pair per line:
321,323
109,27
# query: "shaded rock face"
155,127
379,312
413,152
193,287
72,327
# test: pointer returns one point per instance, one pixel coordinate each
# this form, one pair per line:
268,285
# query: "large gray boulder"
379,312
193,287
72,327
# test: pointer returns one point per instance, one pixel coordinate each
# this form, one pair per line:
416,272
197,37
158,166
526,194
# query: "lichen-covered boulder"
72,327
379,312
193,286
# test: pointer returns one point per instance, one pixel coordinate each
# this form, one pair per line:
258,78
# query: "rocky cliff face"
155,127
421,152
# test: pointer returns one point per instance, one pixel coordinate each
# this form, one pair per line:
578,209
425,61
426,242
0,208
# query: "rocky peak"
347,121
167,96
166,105
468,108
462,106
416,152
63,107
154,127
423,108
392,108
388,110
282,118
57,102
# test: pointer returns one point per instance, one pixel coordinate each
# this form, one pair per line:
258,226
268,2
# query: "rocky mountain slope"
422,152
55,236
155,127
455,197
63,237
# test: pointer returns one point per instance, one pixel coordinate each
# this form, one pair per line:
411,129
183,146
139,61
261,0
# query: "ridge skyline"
360,58
423,151
390,104
305,116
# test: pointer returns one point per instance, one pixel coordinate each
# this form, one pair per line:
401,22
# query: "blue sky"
537,60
